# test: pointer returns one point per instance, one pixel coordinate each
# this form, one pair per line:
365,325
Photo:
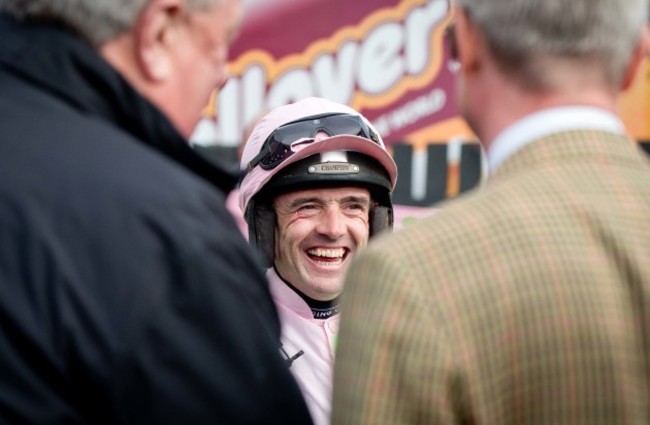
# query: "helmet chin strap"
381,219
261,221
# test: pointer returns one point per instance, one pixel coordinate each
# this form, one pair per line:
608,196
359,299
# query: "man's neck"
319,308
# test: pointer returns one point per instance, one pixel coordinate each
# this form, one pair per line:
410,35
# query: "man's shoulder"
451,216
461,231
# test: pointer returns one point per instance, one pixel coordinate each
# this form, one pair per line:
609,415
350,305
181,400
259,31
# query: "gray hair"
529,37
97,21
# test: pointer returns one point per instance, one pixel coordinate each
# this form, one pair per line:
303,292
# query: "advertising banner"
385,58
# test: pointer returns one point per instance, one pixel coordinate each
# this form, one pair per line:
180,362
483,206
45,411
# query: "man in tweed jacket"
527,301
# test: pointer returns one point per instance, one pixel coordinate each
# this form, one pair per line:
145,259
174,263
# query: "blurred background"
387,59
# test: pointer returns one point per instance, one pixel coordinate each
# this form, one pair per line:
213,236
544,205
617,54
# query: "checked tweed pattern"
525,301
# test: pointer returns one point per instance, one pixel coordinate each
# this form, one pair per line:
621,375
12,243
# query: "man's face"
317,233
202,61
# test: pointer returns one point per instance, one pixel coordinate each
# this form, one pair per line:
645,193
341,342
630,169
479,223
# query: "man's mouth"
327,255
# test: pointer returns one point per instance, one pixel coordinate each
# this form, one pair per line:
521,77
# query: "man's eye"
358,206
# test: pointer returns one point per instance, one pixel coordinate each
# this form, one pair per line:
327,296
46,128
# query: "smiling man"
318,185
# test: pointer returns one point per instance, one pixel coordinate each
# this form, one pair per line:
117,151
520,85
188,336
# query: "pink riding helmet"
293,146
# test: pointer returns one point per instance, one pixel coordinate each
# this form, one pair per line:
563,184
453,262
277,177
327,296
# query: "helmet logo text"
333,168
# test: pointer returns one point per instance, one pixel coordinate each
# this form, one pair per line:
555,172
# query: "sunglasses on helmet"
277,147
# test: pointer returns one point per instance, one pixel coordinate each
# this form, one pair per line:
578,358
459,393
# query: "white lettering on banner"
291,86
419,23
337,82
372,64
410,112
380,65
255,76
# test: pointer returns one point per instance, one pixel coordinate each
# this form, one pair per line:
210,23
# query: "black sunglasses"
277,147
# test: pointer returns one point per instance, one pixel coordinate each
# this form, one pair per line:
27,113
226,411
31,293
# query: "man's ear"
155,37
640,53
468,42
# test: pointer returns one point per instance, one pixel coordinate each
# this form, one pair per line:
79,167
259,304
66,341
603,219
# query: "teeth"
329,253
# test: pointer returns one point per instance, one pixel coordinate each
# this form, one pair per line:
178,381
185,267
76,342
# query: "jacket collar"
571,147
548,122
58,62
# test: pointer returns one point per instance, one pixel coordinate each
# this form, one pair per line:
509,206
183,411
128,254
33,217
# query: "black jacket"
127,293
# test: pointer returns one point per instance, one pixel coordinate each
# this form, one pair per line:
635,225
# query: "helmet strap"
381,219
261,231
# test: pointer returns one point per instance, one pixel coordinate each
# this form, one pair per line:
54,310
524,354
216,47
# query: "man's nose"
332,223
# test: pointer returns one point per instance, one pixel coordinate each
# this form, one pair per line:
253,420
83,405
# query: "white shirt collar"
546,122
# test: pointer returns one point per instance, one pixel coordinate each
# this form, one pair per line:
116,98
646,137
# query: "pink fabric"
405,215
300,331
232,203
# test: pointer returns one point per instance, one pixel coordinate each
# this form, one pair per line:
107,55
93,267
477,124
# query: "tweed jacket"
524,302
